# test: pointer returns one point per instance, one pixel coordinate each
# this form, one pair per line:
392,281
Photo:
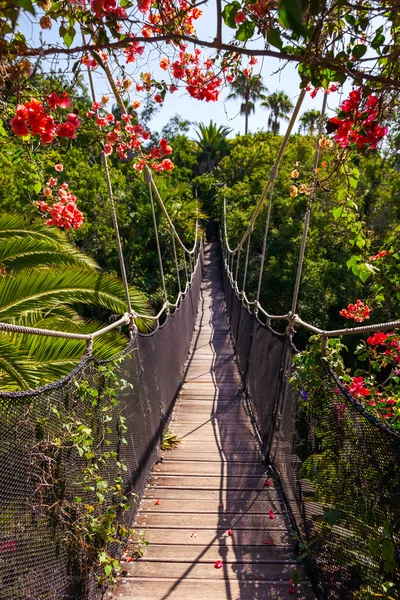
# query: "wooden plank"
207,554
223,521
207,537
188,589
222,495
172,467
236,571
201,506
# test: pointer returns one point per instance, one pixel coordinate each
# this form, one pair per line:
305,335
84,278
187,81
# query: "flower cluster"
34,118
359,311
357,122
332,87
201,81
125,137
357,387
380,254
390,342
63,212
107,8
299,188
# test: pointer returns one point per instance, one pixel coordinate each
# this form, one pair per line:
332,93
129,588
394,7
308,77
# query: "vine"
77,474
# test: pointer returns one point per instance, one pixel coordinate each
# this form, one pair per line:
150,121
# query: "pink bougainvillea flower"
357,387
267,483
157,502
230,532
158,98
193,534
291,590
129,559
239,17
359,311
59,167
271,514
218,564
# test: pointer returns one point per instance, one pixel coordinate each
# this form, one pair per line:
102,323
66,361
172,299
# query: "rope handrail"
324,333
11,328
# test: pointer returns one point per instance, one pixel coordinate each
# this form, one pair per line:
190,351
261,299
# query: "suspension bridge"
253,482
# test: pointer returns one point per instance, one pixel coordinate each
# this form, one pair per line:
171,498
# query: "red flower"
267,483
66,130
218,564
380,254
230,532
378,338
358,311
239,17
271,514
19,126
59,167
356,388
165,147
158,98
167,164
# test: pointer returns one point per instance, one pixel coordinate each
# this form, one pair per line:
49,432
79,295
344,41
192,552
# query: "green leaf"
69,36
359,50
274,38
245,31
331,516
337,212
107,569
296,578
291,15
229,14
37,187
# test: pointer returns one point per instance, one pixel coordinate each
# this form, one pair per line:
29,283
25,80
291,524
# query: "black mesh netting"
339,466
35,563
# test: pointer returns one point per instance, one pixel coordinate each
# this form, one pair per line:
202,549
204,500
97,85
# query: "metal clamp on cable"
290,328
147,175
273,174
89,347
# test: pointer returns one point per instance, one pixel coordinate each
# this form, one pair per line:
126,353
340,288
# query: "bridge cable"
308,214
112,204
176,262
273,172
153,212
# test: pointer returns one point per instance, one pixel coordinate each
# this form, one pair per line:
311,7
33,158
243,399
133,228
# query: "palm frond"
28,290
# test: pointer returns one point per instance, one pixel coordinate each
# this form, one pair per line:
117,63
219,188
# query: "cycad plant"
43,280
212,145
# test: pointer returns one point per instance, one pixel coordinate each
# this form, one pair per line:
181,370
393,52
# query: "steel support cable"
307,216
166,214
153,212
267,220
273,172
176,263
246,264
111,199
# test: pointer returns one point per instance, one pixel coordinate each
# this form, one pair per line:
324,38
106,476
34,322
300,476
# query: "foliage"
89,506
212,145
45,279
170,440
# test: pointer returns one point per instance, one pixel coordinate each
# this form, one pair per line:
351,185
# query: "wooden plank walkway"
211,483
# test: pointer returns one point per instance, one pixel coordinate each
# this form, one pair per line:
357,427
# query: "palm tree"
250,90
280,105
43,278
212,145
309,121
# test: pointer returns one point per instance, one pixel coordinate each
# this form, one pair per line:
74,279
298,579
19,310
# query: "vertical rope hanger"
176,262
307,217
266,230
147,176
112,204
